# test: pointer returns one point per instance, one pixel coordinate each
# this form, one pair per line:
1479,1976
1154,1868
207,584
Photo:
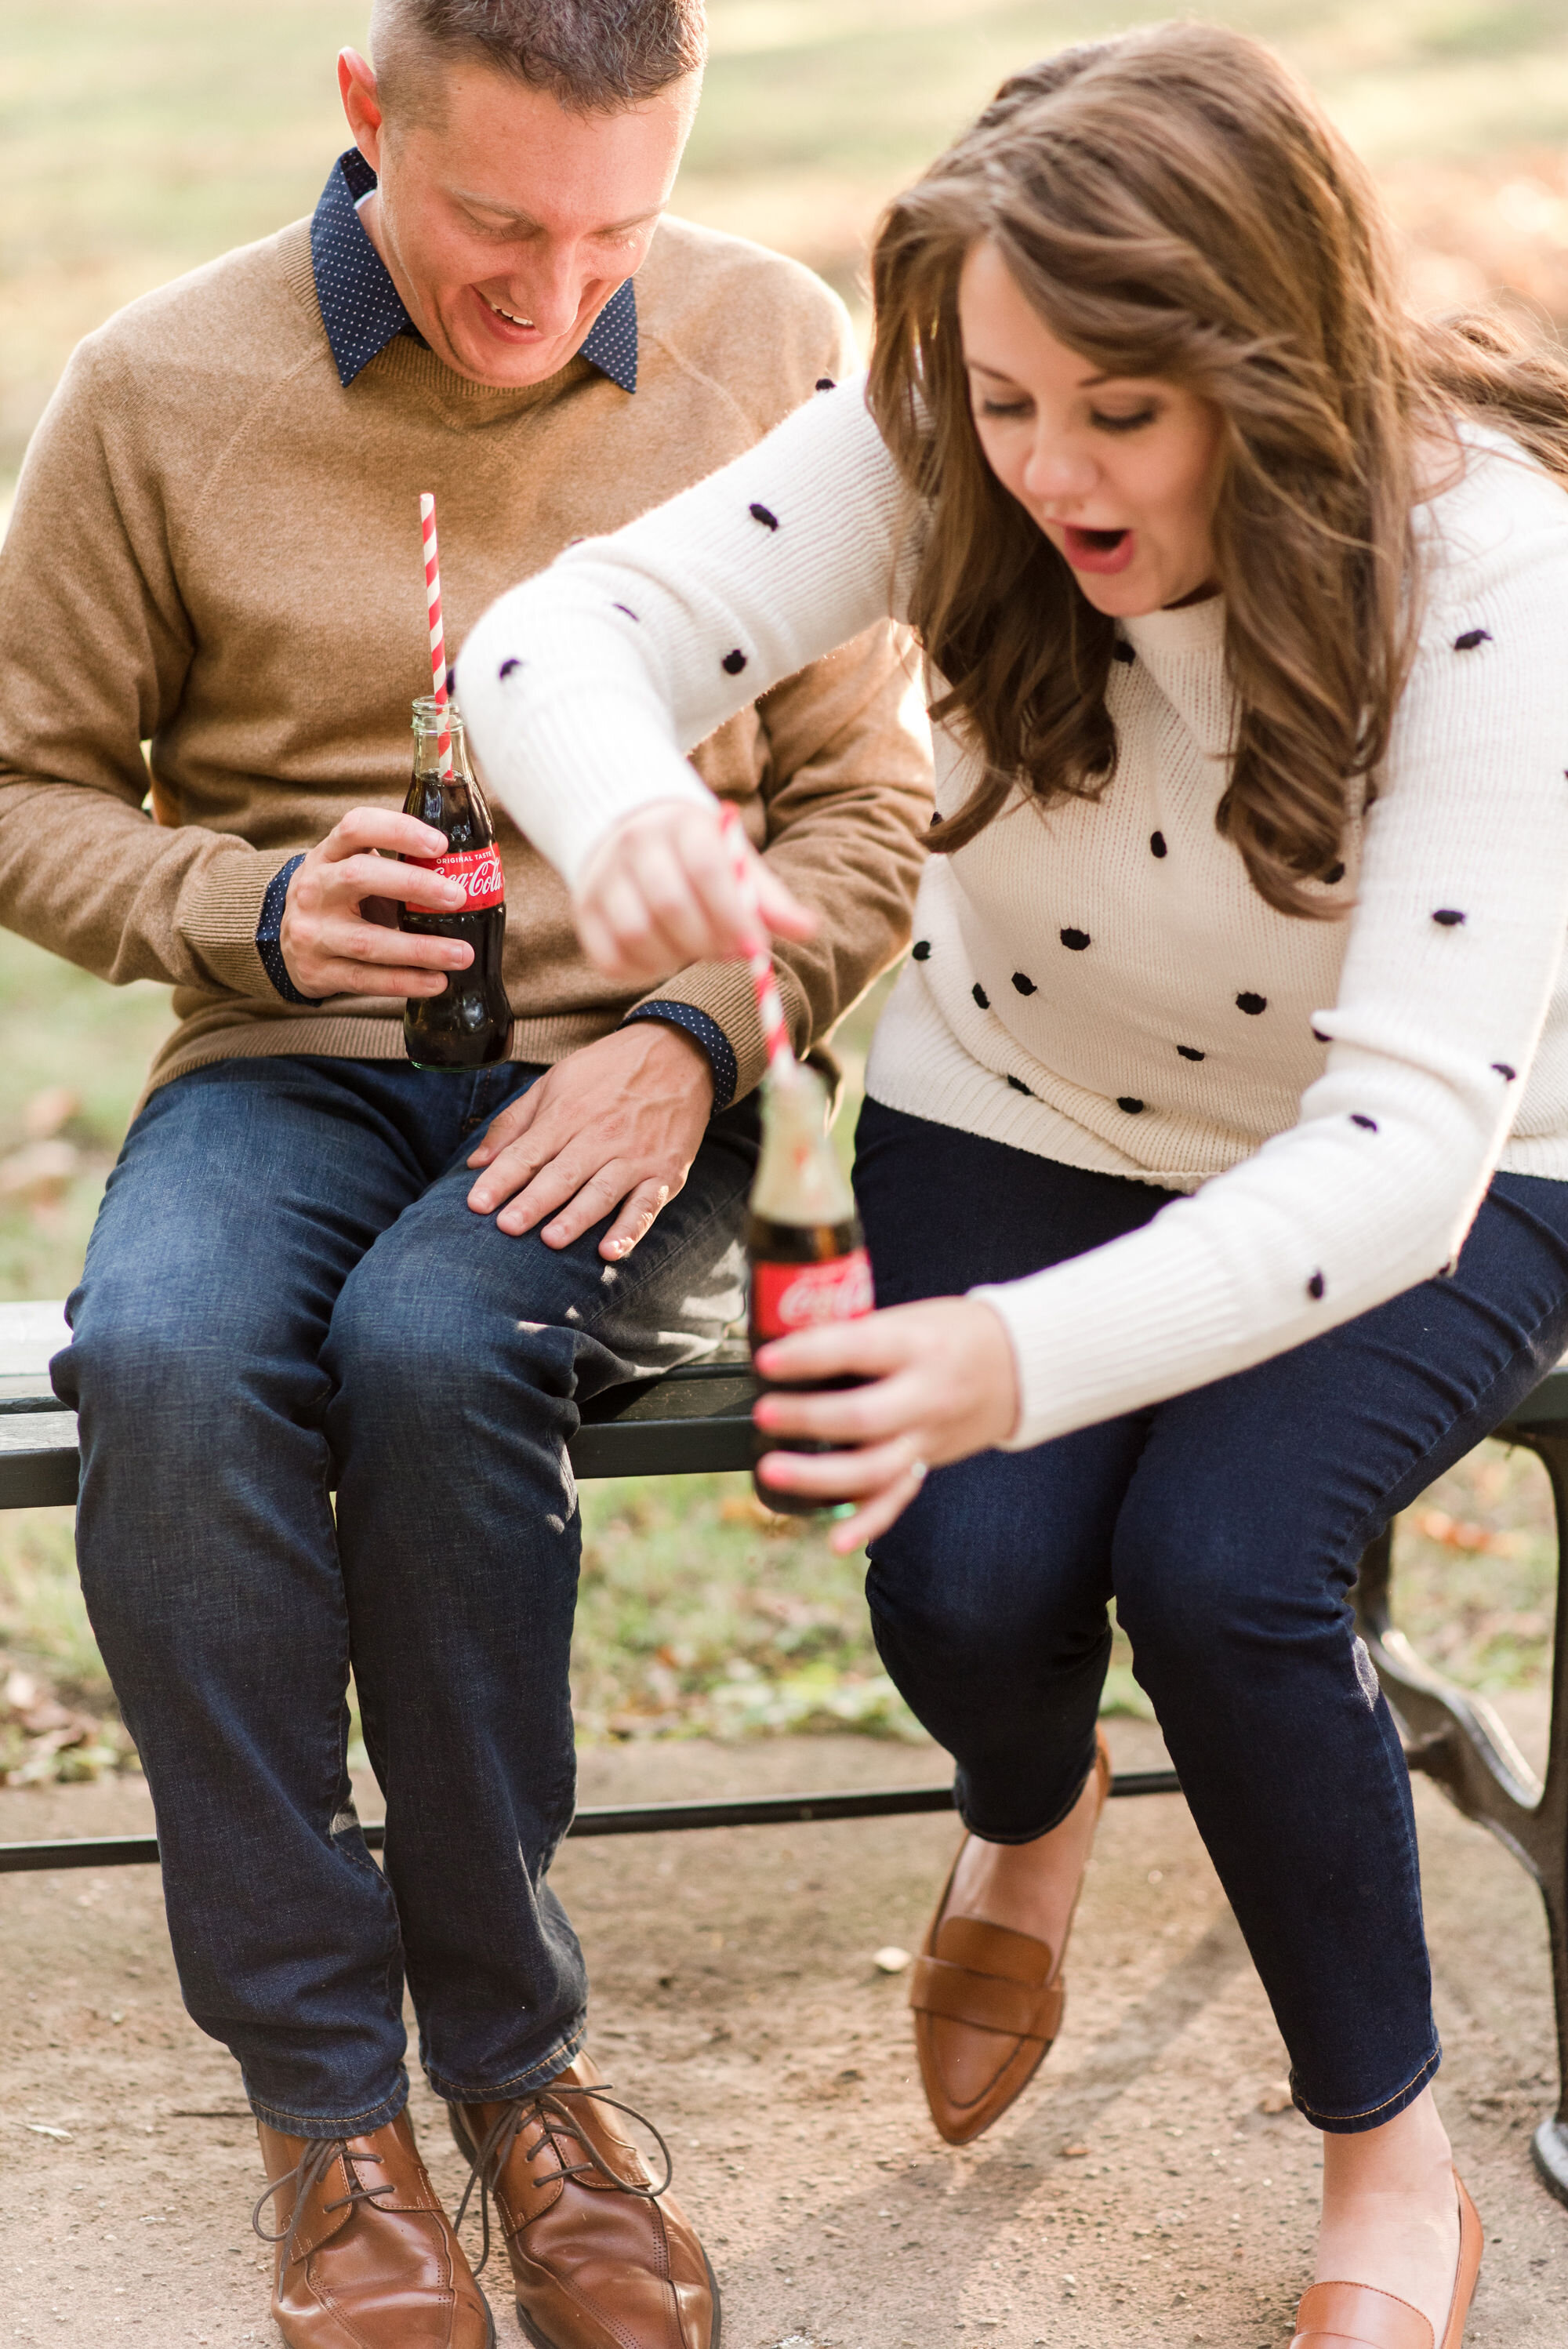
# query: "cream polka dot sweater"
1098,982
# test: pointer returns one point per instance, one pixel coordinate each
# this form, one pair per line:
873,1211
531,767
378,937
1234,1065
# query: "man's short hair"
592,56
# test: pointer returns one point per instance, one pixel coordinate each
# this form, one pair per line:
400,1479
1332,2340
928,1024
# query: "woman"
1214,1162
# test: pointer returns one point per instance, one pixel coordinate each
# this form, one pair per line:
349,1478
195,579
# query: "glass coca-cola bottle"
808,1262
468,1024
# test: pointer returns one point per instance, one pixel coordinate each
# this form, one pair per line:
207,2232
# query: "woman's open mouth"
1098,550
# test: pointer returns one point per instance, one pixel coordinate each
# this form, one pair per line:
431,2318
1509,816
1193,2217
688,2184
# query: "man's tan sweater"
215,553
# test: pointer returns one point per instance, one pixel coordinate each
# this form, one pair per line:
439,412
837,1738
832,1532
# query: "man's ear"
361,103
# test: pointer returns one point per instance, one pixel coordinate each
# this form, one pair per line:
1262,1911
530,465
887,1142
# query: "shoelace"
306,2174
549,2106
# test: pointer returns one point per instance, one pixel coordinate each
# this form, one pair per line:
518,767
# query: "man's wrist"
703,1031
270,932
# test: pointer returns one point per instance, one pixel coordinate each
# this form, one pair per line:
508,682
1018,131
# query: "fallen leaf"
48,1111
42,2128
1438,1526
40,1173
1277,2098
1073,2152
746,1509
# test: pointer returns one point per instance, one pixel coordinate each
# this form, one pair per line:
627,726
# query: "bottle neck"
429,724
798,1177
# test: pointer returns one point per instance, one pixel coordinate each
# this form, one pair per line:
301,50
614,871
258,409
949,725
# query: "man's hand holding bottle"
612,1130
339,934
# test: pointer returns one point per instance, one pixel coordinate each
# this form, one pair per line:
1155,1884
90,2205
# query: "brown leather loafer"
978,1982
601,2256
1358,2316
367,2257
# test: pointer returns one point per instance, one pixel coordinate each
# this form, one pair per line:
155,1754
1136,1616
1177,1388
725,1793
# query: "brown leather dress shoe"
367,2257
988,2004
1358,2316
601,2256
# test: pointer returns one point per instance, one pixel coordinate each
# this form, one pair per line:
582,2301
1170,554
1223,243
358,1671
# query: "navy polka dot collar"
362,309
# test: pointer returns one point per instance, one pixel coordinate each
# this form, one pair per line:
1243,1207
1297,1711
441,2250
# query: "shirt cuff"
269,933
708,1033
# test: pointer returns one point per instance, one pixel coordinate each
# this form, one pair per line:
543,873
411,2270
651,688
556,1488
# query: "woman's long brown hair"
1173,203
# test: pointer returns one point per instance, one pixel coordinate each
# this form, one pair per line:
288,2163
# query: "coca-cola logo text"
786,1297
478,869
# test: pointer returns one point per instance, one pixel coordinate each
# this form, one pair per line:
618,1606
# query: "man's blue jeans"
284,1291
1227,1523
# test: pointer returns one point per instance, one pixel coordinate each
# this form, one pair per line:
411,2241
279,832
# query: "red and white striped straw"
438,638
781,1061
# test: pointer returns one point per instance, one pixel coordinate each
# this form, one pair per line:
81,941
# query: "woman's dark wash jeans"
1227,1523
284,1283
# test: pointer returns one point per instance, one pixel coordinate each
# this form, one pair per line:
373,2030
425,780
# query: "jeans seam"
1424,2069
265,2109
1360,1535
538,2075
1034,1834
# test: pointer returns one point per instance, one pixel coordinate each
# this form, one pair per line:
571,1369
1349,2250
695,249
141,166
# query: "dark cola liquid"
468,1024
833,1255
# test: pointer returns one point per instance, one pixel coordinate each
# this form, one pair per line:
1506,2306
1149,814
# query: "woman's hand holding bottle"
943,1383
660,891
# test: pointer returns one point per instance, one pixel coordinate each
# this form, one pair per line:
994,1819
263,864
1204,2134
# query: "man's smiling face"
507,222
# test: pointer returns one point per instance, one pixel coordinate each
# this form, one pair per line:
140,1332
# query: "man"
297,1281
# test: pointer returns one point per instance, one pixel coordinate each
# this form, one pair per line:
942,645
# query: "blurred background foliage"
140,137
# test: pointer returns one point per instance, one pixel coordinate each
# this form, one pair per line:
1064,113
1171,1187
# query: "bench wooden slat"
689,1423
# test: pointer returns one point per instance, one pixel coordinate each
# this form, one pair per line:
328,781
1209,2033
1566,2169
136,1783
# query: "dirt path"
1136,2196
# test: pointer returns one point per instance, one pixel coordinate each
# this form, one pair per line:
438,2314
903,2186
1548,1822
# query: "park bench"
697,1420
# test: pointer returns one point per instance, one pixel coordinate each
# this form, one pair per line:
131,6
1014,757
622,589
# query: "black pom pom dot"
921,949
628,611
1509,1076
1024,983
1448,917
981,997
733,663
826,383
1368,1125
1334,875
1076,940
1134,1108
1470,639
1315,1287
1123,653
1157,844
761,515
1019,1086
507,668
1251,1004
1188,1052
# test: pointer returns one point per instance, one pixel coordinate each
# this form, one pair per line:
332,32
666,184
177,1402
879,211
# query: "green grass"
62,1029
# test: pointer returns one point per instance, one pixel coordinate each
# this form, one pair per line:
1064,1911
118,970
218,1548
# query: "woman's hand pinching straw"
665,889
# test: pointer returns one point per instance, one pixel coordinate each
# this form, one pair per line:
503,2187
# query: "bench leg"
1457,1739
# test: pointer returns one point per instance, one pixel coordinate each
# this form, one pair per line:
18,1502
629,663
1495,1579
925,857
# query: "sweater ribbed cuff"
223,914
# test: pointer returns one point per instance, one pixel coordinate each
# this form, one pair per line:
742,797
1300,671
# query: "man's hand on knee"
616,1125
